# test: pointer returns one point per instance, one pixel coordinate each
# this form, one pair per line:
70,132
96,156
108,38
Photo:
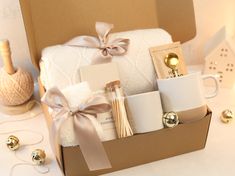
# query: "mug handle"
215,92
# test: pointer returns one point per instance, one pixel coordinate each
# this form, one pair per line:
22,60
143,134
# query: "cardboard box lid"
51,22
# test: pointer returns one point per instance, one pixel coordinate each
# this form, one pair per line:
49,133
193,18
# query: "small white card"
99,75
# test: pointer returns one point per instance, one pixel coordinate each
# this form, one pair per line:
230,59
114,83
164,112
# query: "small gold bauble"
227,116
13,142
170,119
38,156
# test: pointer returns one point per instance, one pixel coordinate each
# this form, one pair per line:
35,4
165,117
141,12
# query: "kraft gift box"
54,22
138,149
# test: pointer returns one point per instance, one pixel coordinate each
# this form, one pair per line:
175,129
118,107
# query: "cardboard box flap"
54,22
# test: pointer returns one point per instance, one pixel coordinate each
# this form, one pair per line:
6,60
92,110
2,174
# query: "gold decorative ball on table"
227,116
13,142
38,156
16,85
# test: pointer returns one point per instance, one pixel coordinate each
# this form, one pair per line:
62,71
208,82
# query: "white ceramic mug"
186,96
145,112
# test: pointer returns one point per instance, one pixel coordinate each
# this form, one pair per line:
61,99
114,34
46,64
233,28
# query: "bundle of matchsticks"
122,124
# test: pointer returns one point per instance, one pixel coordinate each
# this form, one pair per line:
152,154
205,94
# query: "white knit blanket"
60,64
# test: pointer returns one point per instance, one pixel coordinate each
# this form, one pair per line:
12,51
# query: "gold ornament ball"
170,119
227,116
13,142
38,156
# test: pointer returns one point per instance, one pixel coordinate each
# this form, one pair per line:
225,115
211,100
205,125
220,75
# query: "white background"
210,17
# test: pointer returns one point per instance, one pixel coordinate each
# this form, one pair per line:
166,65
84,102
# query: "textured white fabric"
76,95
60,64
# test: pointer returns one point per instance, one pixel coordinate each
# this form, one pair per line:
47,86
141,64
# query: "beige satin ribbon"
85,133
107,48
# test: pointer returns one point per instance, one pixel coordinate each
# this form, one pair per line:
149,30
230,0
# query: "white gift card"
99,75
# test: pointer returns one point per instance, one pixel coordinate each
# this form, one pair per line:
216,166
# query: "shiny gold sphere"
38,156
227,116
171,60
13,142
170,119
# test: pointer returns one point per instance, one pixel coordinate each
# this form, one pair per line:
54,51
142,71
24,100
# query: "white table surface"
217,159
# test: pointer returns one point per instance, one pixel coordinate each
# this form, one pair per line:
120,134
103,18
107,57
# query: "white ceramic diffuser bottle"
16,85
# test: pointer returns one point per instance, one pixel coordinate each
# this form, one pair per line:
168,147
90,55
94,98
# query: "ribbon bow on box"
89,141
107,48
